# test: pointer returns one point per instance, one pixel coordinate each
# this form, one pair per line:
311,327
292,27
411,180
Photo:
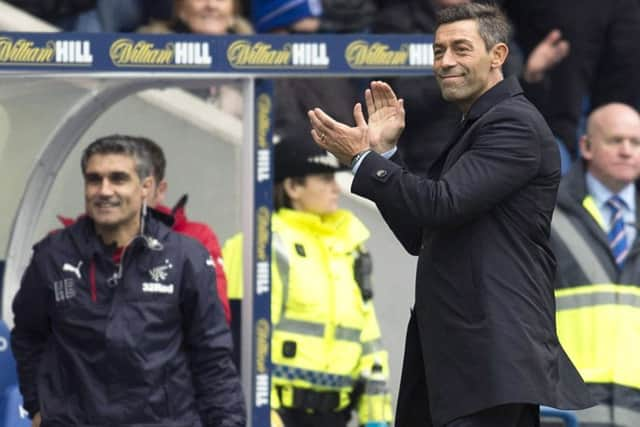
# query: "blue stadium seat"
8,376
568,417
565,157
11,412
15,415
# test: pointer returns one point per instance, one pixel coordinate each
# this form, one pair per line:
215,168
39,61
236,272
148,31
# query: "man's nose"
448,59
105,187
627,148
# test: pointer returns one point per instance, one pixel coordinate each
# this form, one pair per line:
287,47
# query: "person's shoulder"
241,26
186,251
350,226
156,27
61,240
524,111
233,244
195,229
516,108
185,244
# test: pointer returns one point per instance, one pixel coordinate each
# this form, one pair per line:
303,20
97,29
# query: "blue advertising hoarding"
253,55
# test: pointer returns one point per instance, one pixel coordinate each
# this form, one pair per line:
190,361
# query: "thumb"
553,37
358,116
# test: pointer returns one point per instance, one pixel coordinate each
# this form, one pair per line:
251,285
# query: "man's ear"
161,191
585,147
499,54
291,188
147,184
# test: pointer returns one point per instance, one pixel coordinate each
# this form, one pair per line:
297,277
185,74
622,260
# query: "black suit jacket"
484,302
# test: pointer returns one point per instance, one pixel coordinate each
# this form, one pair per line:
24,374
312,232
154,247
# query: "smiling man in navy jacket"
115,321
481,348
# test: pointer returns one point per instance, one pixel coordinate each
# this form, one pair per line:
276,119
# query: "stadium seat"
15,415
565,157
568,417
11,412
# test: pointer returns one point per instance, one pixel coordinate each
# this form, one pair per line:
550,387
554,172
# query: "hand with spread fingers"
386,116
386,123
341,140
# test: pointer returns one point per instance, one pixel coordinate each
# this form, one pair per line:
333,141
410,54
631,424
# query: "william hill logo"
263,163
362,54
126,52
59,52
244,54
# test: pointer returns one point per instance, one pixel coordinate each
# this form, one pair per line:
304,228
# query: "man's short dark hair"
158,161
120,144
493,25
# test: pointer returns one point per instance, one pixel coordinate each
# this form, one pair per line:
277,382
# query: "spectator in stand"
347,16
215,17
603,65
425,139
211,17
295,96
96,15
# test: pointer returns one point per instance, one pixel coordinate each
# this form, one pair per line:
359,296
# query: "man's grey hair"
493,25
126,145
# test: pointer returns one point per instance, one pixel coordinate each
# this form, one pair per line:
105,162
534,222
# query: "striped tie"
617,236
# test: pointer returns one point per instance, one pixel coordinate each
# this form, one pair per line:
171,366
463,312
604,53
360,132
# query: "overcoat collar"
502,90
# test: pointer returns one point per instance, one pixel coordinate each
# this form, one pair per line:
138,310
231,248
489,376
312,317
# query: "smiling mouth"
106,205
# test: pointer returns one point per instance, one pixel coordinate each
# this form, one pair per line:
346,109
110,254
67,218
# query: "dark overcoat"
482,332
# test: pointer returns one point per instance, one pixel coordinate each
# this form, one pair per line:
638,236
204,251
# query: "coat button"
381,173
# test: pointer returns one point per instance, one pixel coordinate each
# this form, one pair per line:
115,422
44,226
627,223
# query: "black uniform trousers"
301,418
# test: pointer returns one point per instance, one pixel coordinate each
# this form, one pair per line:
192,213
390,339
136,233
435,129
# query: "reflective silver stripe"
282,264
591,299
347,334
369,347
373,387
318,378
580,248
300,327
609,415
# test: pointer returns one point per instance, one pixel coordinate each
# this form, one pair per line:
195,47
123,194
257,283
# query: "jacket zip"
92,280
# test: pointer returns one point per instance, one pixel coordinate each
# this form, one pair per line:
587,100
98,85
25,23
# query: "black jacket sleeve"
503,156
217,383
30,332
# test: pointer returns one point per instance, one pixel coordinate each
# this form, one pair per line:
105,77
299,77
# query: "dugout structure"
58,91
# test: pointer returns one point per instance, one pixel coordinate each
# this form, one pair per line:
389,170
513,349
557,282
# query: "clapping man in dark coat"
481,346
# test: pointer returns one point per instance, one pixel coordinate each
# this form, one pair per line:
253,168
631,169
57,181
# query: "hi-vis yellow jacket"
598,307
325,336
